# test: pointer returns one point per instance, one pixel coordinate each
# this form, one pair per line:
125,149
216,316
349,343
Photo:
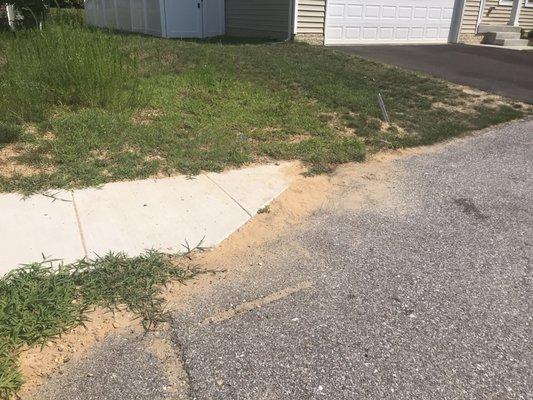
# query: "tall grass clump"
66,64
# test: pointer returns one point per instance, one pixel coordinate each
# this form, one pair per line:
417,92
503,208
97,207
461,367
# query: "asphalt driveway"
503,71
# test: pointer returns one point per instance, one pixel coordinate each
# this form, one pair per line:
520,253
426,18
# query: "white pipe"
295,18
11,15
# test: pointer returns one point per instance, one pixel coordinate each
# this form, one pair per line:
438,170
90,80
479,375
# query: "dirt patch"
10,164
37,363
475,98
469,107
145,116
351,187
295,139
98,155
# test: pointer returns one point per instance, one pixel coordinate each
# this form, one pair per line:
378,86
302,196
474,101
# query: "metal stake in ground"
383,109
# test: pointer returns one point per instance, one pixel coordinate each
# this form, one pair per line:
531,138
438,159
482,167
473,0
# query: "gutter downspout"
457,21
295,18
515,13
292,16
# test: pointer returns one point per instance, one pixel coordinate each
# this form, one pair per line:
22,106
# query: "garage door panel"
388,21
384,34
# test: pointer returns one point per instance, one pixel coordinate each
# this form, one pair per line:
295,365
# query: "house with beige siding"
339,22
329,22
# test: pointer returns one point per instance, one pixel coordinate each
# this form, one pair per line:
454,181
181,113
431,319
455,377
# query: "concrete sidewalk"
134,216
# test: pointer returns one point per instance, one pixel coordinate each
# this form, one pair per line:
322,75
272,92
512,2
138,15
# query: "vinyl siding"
526,17
498,16
258,18
470,14
311,16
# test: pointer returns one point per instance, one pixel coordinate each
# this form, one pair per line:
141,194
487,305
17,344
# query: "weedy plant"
39,302
63,65
9,133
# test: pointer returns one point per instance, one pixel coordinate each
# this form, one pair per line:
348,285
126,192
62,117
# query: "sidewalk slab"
158,214
131,217
253,188
36,226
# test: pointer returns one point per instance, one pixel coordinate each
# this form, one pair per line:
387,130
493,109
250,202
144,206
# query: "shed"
194,18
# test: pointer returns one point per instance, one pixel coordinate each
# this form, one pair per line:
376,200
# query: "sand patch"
474,98
145,116
160,345
10,164
37,363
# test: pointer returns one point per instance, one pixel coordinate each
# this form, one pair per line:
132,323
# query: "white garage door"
388,21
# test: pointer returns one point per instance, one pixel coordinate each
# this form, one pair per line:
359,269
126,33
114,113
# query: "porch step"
484,28
511,42
491,37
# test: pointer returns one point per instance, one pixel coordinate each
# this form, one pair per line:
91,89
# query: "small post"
383,109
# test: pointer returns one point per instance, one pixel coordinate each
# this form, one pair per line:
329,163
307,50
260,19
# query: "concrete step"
491,37
484,28
511,42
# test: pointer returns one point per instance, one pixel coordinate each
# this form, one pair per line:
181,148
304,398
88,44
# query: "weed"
9,133
65,65
264,210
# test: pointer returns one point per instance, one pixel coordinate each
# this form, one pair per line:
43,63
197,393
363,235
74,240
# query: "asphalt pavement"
492,69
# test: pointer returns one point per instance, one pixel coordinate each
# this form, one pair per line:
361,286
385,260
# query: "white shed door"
388,21
213,17
183,18
194,18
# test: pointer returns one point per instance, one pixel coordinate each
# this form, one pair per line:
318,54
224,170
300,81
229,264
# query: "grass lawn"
82,107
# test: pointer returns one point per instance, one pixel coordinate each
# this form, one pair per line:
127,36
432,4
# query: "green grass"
66,65
39,303
96,106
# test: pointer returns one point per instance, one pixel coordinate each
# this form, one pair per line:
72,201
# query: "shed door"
213,17
388,21
183,18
